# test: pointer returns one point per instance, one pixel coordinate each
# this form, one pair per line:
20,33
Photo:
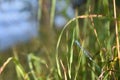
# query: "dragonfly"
85,52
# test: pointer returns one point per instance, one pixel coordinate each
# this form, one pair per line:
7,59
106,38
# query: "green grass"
86,48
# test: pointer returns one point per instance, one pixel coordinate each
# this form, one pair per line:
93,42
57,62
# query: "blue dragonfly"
18,22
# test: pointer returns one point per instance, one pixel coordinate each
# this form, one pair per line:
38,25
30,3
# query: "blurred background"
64,46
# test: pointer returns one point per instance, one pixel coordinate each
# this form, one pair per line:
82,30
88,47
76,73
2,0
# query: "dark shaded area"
78,3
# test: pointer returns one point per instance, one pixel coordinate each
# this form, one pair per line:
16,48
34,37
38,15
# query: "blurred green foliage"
68,53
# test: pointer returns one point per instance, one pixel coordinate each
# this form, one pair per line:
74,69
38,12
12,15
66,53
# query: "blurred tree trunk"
47,32
45,18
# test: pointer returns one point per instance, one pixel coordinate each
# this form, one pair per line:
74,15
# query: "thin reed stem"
52,13
116,30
